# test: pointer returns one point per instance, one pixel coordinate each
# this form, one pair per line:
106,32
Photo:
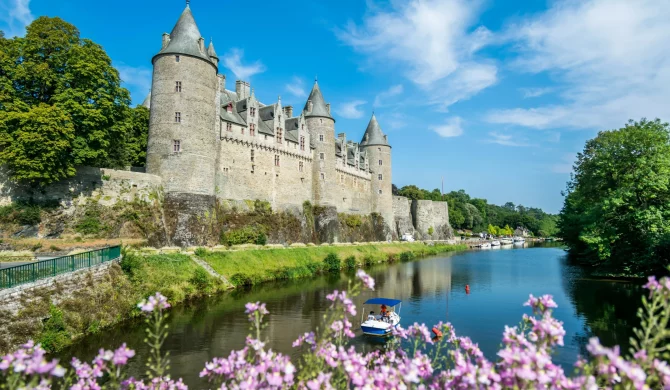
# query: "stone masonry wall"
353,191
402,213
108,185
427,214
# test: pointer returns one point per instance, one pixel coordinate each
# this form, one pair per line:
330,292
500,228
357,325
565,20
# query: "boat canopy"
382,301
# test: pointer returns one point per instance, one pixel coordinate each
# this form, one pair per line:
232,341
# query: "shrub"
243,235
89,226
350,262
407,256
200,252
240,279
332,262
261,239
431,231
353,220
392,258
201,279
21,213
54,335
368,260
130,262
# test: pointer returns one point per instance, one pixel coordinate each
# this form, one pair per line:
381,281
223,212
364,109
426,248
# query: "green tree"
71,81
617,206
492,230
412,192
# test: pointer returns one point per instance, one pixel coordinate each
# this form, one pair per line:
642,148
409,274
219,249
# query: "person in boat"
384,311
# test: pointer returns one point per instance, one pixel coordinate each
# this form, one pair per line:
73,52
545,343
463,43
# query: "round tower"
378,151
182,138
321,126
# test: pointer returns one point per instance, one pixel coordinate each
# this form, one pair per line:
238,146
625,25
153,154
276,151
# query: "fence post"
33,272
72,261
89,259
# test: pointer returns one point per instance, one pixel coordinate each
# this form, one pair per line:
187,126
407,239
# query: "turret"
182,126
321,126
375,144
212,53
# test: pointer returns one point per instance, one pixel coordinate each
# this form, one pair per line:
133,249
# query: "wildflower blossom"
367,280
156,301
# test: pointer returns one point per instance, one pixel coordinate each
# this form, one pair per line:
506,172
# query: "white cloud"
351,110
136,79
297,87
394,90
565,166
611,57
451,128
534,92
505,139
432,42
233,61
15,16
393,120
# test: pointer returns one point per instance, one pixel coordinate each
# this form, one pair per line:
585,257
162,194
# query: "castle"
206,141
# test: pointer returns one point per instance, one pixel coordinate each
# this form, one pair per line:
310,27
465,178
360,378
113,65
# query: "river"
432,290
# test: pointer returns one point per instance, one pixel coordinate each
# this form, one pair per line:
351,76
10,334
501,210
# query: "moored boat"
506,241
383,323
519,240
495,243
485,245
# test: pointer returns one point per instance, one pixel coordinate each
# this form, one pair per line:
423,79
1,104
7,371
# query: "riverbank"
58,318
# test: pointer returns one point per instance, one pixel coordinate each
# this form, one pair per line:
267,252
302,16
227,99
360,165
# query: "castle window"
177,117
379,176
279,135
323,176
230,107
176,58
321,137
379,149
322,156
252,111
229,127
380,162
176,146
355,182
302,127
177,87
342,179
380,192
242,129
252,155
252,129
301,166
302,143
276,160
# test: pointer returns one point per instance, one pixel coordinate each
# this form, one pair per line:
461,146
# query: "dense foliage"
62,105
477,214
616,214
413,359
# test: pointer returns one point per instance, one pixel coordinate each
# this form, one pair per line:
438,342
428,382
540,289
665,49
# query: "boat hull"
370,331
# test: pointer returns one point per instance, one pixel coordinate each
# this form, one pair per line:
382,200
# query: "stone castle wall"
402,213
247,171
427,214
108,186
353,194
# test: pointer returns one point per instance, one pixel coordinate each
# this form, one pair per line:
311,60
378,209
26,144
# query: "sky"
493,97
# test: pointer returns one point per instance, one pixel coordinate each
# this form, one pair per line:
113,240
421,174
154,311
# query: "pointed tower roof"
373,134
210,50
147,101
318,104
185,37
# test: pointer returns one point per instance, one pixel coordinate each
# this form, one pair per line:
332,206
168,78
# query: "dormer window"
252,129
230,107
252,111
176,58
302,143
279,134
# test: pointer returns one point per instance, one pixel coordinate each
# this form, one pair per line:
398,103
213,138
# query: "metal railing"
28,273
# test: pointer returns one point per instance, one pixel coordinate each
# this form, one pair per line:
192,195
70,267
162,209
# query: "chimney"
309,106
201,45
328,108
341,136
222,82
166,40
288,110
242,89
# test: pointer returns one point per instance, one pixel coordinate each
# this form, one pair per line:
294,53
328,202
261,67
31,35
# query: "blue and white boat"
377,324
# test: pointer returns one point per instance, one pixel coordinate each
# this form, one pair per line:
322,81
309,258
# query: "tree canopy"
62,105
477,214
616,213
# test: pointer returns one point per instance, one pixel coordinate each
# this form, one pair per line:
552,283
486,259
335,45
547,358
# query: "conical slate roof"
373,134
210,50
184,37
318,104
147,101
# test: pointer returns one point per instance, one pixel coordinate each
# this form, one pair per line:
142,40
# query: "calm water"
431,289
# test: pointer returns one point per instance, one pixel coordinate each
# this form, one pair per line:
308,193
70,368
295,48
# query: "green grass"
258,266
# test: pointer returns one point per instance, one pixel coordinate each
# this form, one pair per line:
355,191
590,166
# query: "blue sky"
496,97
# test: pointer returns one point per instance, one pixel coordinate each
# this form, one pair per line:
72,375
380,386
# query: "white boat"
381,325
506,241
485,245
495,243
519,240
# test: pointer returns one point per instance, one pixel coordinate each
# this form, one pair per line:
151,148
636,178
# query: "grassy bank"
257,266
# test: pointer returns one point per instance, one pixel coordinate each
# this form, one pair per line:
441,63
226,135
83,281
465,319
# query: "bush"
200,252
201,279
130,262
54,335
350,262
407,256
332,262
353,220
368,260
431,231
262,239
21,213
244,235
240,280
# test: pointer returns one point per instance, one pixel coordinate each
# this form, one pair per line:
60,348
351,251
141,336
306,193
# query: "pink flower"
367,280
156,301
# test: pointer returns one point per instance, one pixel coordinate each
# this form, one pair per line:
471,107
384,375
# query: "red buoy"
437,332
467,289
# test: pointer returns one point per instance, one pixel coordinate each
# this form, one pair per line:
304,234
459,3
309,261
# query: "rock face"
183,218
326,224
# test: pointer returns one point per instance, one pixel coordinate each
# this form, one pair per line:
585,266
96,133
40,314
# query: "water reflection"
432,290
